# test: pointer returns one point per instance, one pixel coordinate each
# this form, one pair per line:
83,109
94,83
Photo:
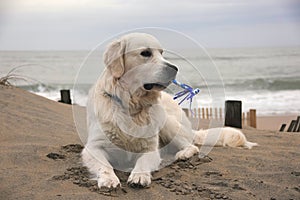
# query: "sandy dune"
40,147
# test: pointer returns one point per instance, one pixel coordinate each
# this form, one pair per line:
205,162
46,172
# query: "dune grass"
13,76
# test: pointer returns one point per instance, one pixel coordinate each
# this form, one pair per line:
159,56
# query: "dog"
129,116
226,136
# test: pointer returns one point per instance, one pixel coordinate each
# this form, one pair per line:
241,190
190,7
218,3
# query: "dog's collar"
114,98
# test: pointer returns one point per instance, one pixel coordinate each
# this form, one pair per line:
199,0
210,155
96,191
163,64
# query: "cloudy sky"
82,24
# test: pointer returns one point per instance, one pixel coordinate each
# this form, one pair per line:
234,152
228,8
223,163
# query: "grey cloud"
82,25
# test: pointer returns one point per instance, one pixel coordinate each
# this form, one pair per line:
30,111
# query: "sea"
265,79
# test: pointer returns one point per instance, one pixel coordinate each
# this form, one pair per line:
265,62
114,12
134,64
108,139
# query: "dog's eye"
146,53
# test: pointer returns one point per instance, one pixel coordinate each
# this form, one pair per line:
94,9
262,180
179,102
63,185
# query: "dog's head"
136,60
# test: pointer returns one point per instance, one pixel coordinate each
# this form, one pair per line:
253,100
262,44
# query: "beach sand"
40,159
274,122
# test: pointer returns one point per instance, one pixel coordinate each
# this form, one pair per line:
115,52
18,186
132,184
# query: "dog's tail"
249,145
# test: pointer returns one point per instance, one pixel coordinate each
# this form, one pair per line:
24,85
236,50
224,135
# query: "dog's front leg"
94,159
181,135
145,164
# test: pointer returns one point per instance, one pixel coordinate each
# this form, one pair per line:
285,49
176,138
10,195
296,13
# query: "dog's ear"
114,58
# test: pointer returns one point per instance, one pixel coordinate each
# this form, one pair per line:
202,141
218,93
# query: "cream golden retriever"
226,136
129,116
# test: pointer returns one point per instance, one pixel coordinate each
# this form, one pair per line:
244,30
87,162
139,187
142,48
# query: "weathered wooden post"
253,118
292,125
207,113
297,124
216,113
233,114
65,96
221,110
248,118
186,111
199,114
243,119
282,127
298,130
195,113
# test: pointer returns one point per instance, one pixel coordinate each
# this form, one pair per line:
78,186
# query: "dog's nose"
172,66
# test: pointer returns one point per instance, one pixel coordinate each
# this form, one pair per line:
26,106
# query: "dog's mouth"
156,86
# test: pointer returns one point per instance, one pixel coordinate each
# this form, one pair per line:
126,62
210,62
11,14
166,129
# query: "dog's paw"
187,152
108,179
141,179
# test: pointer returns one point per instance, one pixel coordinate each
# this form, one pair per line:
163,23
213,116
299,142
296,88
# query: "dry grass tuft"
12,76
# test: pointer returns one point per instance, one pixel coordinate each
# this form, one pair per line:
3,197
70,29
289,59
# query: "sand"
274,122
40,159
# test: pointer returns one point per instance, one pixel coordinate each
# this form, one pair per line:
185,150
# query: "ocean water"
266,79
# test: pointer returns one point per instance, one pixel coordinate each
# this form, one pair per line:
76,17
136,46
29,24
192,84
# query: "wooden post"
297,124
203,114
207,114
248,119
195,113
186,111
199,114
292,125
216,113
243,119
221,111
233,114
282,127
253,118
65,97
298,130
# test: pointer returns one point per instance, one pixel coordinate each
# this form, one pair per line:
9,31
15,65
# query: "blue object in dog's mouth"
187,90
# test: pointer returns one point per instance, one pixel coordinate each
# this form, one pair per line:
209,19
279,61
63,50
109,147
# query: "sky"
82,24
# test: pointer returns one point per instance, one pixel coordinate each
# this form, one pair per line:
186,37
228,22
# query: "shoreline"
264,122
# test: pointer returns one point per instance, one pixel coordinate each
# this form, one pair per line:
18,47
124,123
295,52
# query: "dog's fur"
128,114
222,137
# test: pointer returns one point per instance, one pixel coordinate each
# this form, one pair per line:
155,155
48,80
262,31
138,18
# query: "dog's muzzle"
168,73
